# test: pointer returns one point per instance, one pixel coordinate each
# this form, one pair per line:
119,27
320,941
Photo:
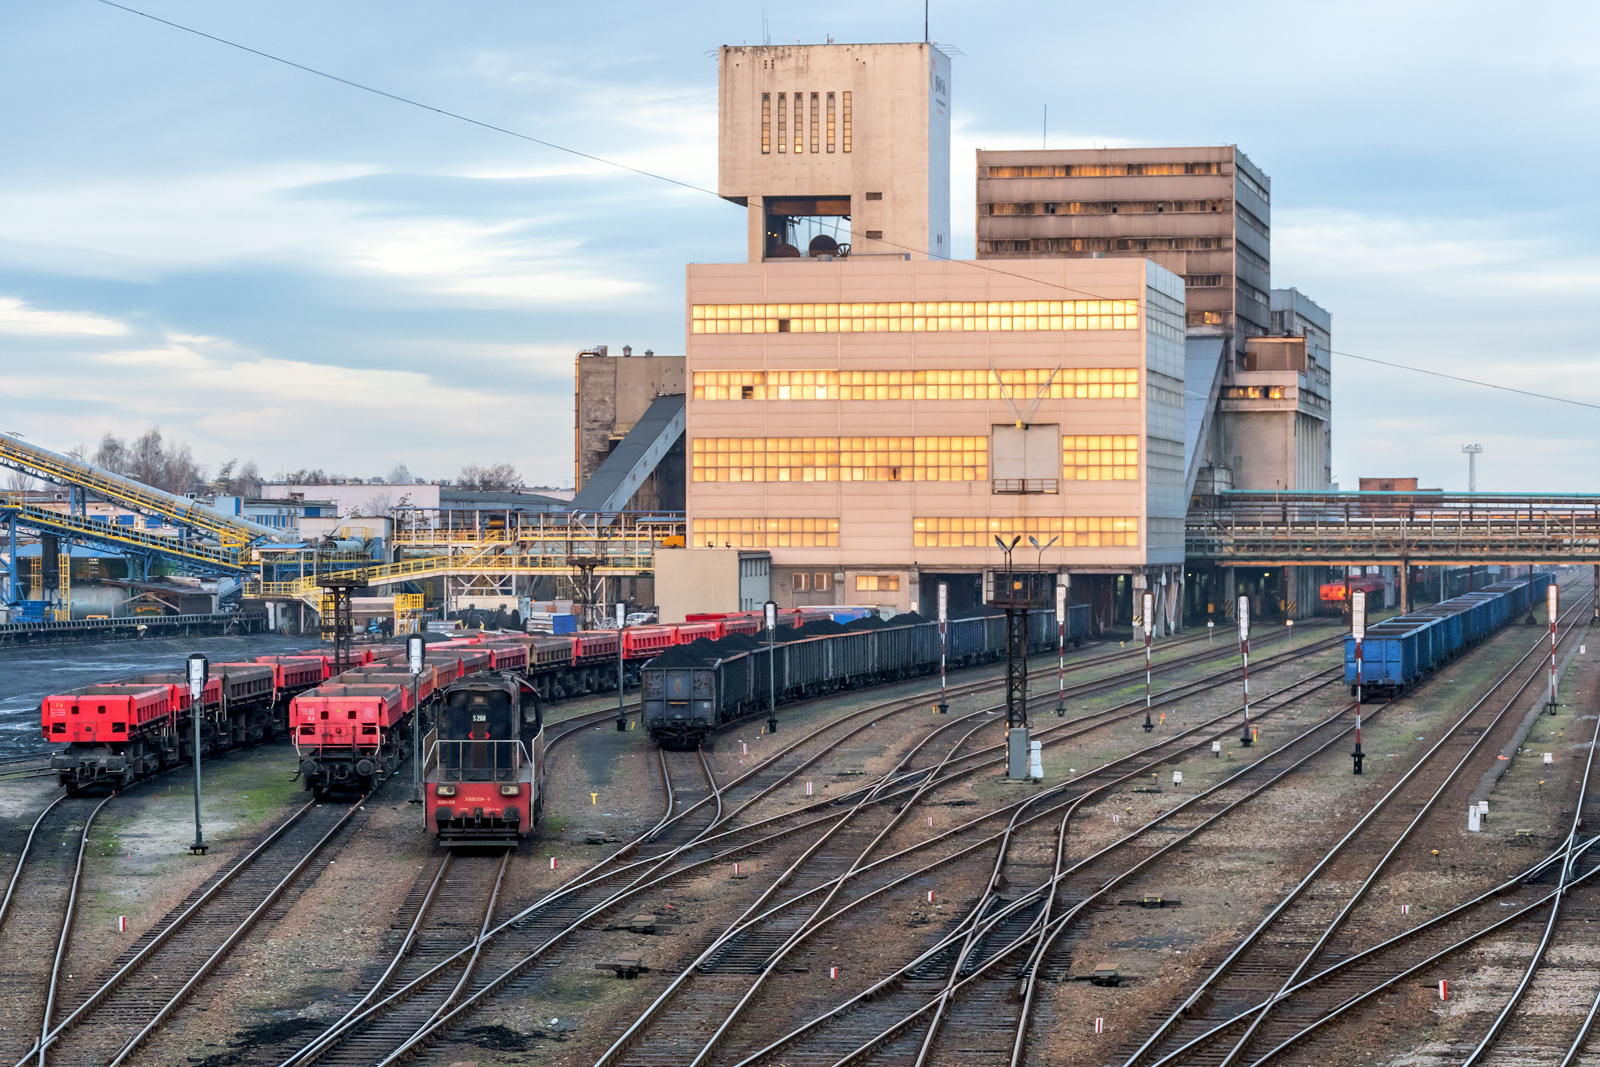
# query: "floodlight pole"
199,675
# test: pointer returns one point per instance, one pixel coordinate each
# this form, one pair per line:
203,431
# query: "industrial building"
874,414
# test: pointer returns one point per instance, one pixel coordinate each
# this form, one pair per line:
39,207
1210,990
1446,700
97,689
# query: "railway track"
36,918
985,1003
766,777
108,1022
1310,927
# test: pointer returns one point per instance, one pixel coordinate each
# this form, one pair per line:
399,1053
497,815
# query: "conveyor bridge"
1435,529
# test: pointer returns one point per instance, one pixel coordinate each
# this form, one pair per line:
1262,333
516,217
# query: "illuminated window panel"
766,123
1071,383
840,459
783,107
914,317
1081,531
846,116
766,533
1252,392
830,122
877,583
1099,457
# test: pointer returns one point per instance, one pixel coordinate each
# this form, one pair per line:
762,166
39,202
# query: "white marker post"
622,622
1149,630
1244,650
944,612
1358,631
199,675
1061,649
770,609
416,648
1552,602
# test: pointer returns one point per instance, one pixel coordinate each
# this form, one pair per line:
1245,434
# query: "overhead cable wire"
909,250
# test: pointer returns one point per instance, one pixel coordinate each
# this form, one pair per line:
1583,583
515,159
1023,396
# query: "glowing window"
877,583
1082,531
799,123
766,533
830,122
1099,457
783,141
846,121
1067,383
816,145
840,459
766,123
914,317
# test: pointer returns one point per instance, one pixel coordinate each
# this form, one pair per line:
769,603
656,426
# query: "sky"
272,266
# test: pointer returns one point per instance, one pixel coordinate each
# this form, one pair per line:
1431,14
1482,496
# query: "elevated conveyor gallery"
610,488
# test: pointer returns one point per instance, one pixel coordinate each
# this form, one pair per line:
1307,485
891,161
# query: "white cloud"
20,318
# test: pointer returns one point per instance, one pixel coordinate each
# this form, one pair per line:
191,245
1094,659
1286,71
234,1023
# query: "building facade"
611,394
875,416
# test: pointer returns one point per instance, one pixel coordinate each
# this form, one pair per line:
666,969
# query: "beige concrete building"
710,580
611,394
837,144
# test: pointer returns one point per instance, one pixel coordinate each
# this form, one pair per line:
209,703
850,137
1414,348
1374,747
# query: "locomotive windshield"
479,736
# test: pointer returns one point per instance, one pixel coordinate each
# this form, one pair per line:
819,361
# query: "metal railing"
476,761
1336,528
85,529
1020,486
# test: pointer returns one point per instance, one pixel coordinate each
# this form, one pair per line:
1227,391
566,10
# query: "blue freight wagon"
1401,651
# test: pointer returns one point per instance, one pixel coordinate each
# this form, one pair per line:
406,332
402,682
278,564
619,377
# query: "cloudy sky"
272,266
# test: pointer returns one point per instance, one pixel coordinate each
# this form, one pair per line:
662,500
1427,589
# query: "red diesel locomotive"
483,762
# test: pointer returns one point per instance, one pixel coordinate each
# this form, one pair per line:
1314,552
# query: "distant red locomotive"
1335,592
482,767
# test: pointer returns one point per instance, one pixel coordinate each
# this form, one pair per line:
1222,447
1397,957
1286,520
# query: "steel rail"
66,925
22,858
1211,980
233,938
477,942
139,958
879,711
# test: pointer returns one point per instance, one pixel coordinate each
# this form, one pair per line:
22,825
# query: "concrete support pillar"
1230,591
1405,587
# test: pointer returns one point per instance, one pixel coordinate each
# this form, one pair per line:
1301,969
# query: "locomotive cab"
482,768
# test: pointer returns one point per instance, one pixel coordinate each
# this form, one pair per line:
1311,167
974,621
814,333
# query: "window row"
838,118
1084,458
1070,531
1080,531
1101,170
1252,392
1101,207
1066,383
917,316
767,533
840,459
1111,244
811,581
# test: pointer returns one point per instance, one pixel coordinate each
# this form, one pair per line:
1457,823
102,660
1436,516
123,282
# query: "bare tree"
246,483
149,460
18,482
401,475
502,477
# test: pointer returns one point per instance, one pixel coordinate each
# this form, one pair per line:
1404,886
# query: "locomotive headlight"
444,790
511,790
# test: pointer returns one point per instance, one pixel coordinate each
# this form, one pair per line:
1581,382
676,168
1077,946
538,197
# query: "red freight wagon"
549,653
470,659
507,655
591,645
325,663
642,642
741,624
390,674
693,631
292,674
113,733
348,736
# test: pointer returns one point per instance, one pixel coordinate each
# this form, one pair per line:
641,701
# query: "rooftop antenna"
766,34
1044,135
924,21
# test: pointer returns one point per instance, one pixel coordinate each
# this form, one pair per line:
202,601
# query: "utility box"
1017,752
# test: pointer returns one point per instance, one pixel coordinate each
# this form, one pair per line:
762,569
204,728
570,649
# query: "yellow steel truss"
229,557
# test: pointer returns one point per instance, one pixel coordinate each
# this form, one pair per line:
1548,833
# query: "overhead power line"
977,264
